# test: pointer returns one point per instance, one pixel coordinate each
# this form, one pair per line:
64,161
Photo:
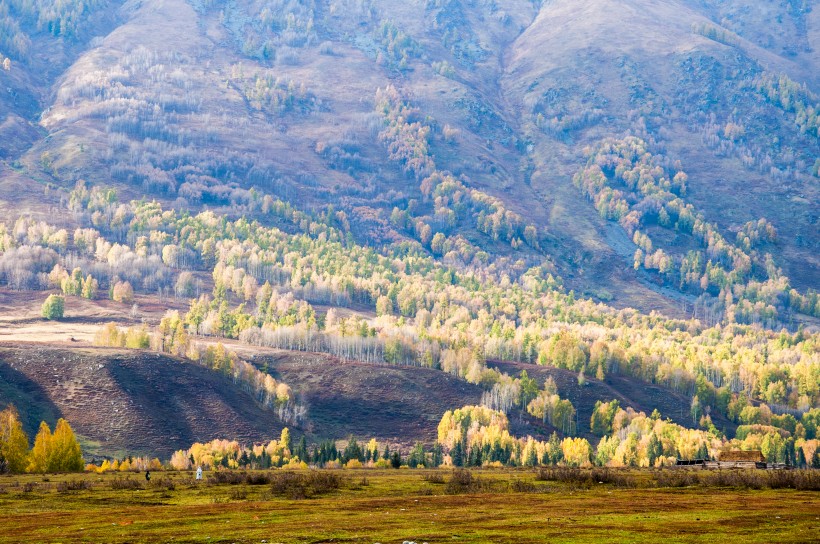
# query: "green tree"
554,454
436,455
54,307
602,416
418,457
353,450
89,287
457,455
395,460
654,449
529,389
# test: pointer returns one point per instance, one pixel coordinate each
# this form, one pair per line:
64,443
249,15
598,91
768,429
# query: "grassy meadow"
504,505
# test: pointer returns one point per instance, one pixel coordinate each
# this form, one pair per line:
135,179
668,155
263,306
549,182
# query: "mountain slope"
280,96
145,403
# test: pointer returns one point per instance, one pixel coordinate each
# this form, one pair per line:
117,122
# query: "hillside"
392,404
281,97
123,401
146,403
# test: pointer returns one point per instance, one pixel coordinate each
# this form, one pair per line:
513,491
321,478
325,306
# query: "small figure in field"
147,475
198,473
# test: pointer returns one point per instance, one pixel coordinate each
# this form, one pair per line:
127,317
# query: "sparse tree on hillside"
53,307
122,292
90,286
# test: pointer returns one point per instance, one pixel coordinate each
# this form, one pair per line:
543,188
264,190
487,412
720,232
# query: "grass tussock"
238,494
359,485
524,486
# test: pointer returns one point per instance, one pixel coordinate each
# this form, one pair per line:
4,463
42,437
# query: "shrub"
118,484
805,480
163,483
236,478
676,478
463,481
73,485
587,478
562,474
227,477
433,477
297,485
257,478
737,478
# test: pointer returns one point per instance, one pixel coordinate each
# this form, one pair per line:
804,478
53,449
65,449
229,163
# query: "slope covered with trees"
458,124
262,286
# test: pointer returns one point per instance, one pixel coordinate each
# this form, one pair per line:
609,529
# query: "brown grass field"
394,506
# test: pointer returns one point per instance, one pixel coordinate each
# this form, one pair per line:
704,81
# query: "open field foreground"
395,506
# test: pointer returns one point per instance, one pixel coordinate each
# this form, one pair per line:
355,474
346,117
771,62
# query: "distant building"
738,459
